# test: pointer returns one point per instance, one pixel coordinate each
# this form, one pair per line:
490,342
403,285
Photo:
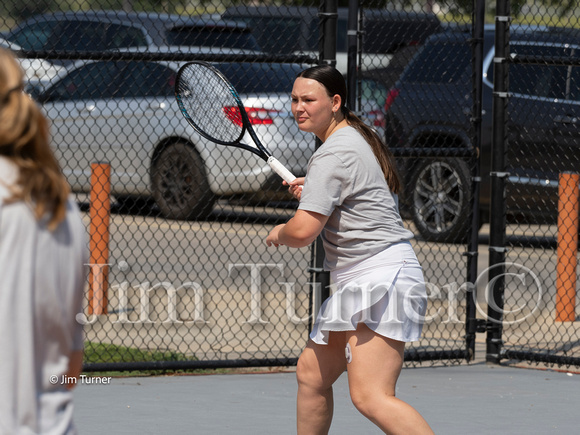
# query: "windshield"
260,78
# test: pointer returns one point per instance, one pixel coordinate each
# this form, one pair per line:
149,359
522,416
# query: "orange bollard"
99,237
567,247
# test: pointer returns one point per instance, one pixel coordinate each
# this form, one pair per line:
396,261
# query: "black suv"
430,106
110,29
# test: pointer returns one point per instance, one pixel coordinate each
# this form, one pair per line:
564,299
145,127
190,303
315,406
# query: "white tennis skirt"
386,292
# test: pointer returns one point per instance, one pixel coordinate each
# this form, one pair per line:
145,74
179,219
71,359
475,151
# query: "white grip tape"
280,169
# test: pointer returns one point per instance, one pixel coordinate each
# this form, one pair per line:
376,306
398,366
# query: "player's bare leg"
318,368
372,376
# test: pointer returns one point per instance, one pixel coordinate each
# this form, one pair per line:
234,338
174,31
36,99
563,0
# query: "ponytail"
384,156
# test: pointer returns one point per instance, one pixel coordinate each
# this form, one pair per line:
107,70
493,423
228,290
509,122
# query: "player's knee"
305,375
360,400
308,375
365,403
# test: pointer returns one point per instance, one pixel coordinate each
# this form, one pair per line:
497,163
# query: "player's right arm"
298,232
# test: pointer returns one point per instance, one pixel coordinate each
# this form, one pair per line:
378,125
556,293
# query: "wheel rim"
175,182
438,197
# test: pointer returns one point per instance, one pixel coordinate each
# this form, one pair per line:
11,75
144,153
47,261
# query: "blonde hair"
24,140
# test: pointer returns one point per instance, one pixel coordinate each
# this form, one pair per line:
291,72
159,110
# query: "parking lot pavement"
466,399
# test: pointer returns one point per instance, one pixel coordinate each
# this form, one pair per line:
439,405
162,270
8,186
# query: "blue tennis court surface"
469,399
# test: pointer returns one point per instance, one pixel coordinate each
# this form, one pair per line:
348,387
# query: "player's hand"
272,238
295,187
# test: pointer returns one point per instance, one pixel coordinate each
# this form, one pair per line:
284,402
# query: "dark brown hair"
334,83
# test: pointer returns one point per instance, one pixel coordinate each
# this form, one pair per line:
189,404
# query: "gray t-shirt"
42,278
345,182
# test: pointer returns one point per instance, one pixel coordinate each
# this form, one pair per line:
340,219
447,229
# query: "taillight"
378,118
393,93
257,116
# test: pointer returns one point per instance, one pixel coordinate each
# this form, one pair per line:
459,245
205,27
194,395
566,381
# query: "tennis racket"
212,106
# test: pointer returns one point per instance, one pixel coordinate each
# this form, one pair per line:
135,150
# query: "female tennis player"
42,274
349,196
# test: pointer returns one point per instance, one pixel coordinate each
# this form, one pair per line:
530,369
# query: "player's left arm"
299,231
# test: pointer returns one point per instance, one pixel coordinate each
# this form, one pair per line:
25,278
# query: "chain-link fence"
535,166
180,273
513,145
181,276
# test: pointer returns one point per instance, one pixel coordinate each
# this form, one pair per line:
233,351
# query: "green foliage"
111,353
465,7
563,6
14,10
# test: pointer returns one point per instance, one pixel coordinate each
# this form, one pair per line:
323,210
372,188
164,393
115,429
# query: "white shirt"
42,278
345,182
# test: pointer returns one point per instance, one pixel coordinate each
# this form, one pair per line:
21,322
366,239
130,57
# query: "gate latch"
477,326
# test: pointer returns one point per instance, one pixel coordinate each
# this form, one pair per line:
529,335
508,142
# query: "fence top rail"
433,152
146,55
544,60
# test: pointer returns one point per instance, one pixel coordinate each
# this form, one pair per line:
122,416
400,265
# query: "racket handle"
280,169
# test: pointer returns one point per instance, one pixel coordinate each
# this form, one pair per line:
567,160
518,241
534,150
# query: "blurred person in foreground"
43,254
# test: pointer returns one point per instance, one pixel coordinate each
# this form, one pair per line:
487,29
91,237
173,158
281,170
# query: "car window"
92,81
119,35
78,36
547,81
260,77
574,84
212,37
35,36
278,35
145,79
378,38
440,63
373,90
341,35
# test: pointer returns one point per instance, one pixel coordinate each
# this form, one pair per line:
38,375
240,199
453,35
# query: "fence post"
353,36
328,14
473,240
498,176
568,198
99,237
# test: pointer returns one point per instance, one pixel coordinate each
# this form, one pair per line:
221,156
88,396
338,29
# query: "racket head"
210,103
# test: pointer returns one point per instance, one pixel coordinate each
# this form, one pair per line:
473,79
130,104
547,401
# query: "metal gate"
533,305
448,252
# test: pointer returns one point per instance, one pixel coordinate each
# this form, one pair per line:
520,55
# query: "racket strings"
210,103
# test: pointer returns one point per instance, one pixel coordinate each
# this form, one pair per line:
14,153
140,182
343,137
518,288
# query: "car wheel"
134,204
179,184
440,193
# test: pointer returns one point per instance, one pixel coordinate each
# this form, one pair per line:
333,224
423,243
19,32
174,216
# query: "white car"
34,69
125,113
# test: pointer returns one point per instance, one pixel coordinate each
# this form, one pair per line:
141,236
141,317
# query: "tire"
179,184
439,193
134,204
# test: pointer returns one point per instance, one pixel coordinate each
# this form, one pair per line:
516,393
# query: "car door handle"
89,108
156,106
566,119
